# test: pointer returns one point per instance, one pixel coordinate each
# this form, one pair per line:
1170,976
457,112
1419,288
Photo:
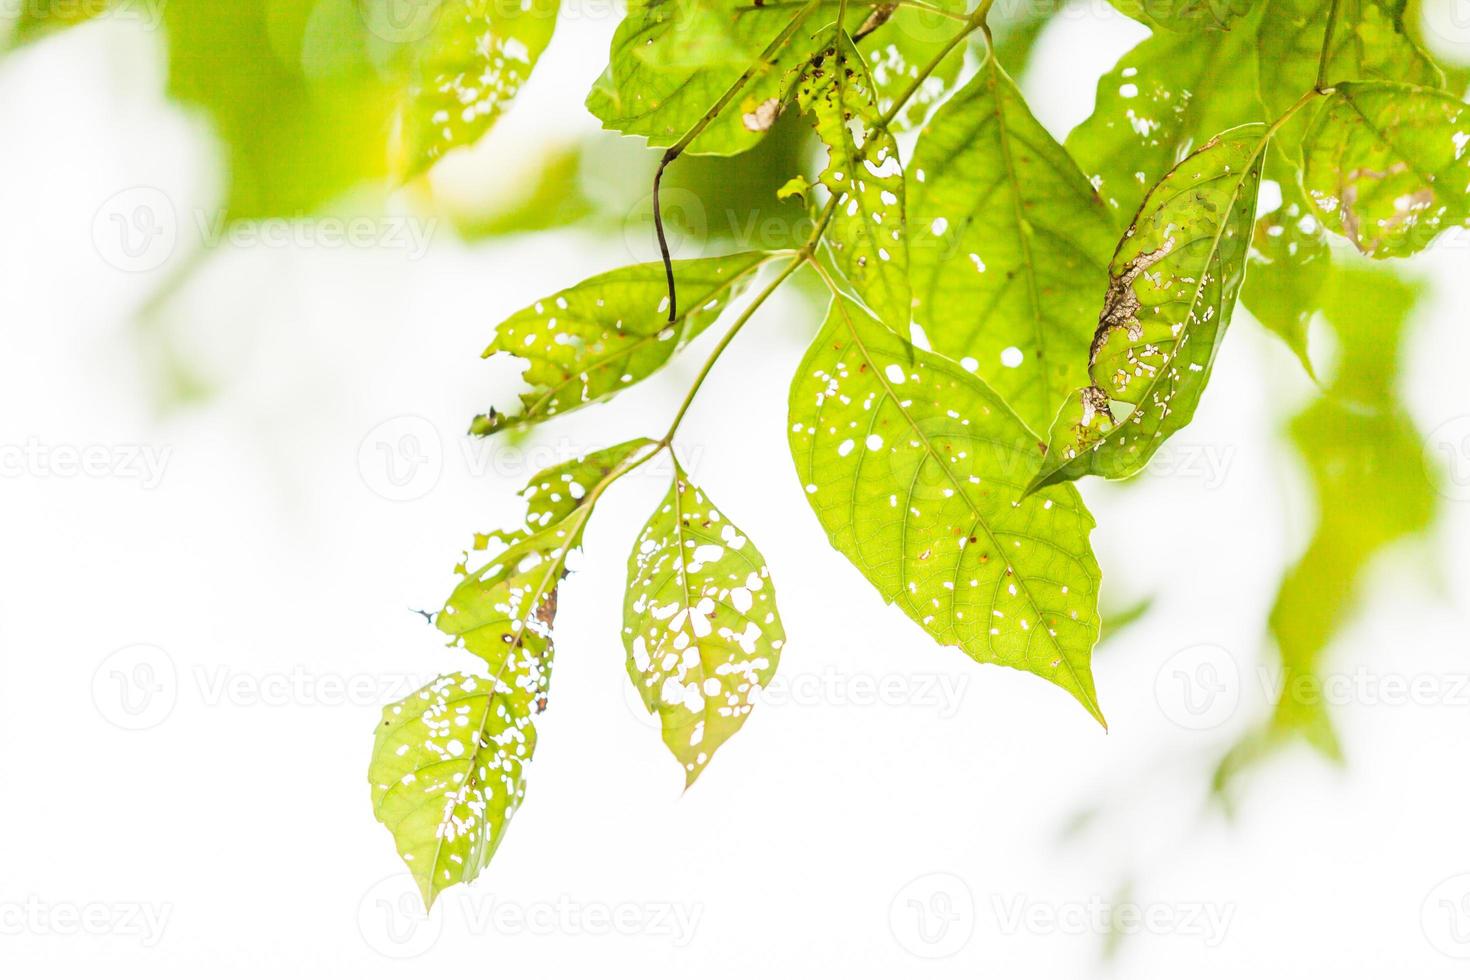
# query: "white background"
192,660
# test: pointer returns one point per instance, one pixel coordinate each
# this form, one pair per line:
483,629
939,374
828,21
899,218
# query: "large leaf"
447,774
916,469
1289,263
593,340
1174,281
1368,41
1388,166
867,235
1187,16
699,623
898,42
503,610
474,60
1009,246
1162,99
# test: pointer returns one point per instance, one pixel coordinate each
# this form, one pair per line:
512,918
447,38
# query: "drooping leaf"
502,611
465,72
1188,16
916,469
1289,263
1388,166
1174,281
448,773
1167,96
1009,247
1368,41
593,340
699,623
867,234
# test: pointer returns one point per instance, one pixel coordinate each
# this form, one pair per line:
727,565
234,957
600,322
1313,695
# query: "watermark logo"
1447,458
1445,917
136,230
141,921
1198,687
136,688
400,21
392,920
402,459
1208,922
933,916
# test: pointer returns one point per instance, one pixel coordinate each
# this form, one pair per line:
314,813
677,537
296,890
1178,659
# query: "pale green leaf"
699,623
1162,99
1009,247
447,774
1289,262
898,43
916,469
1174,281
593,340
867,235
1388,166
1368,41
467,70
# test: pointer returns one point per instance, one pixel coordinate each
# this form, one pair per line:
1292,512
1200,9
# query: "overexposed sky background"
203,607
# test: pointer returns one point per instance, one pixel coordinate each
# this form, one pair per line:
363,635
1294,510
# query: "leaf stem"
1326,54
976,21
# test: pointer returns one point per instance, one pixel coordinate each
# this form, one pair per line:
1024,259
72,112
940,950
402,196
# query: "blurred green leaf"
1188,16
1289,263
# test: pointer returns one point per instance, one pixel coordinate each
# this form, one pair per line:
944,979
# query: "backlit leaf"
1289,262
699,623
593,340
1186,15
1009,247
867,234
916,469
1174,281
1388,166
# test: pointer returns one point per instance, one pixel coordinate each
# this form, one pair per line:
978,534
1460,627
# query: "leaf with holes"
1167,96
1174,281
1388,166
448,773
593,340
503,611
917,470
1368,41
467,70
867,235
699,623
1009,247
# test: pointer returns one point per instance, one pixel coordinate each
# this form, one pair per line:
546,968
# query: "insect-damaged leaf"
1167,96
593,340
916,470
466,71
1388,166
1368,41
448,772
867,235
1009,246
503,610
699,623
1174,280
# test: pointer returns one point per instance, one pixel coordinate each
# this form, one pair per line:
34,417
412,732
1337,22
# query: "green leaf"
1174,280
1185,15
867,235
1387,166
503,611
1368,41
467,70
447,774
904,39
916,469
1009,246
1167,96
1289,263
39,18
593,340
699,623
673,60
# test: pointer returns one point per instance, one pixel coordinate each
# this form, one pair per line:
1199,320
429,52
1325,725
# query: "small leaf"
593,340
467,70
1387,166
1368,41
867,236
699,623
916,470
1289,262
1009,246
1175,278
1167,96
448,773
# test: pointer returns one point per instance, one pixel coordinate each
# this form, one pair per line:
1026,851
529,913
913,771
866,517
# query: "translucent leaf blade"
700,624
916,470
